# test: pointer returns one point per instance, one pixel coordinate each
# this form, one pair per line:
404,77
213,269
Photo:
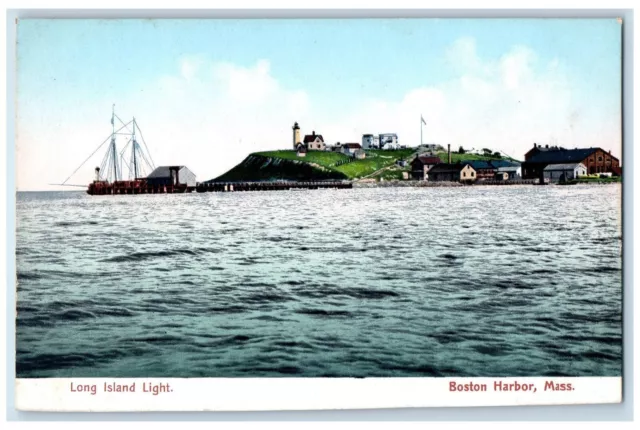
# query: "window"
464,174
472,174
599,158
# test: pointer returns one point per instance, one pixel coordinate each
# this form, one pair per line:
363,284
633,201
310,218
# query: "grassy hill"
257,168
316,165
325,165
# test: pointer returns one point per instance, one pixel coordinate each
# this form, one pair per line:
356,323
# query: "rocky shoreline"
376,184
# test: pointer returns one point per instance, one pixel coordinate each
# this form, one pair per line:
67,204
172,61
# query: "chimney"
546,146
449,152
535,145
98,172
313,133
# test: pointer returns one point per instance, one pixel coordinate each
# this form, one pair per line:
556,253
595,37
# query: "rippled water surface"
489,281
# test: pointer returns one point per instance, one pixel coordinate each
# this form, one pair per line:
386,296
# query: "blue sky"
223,88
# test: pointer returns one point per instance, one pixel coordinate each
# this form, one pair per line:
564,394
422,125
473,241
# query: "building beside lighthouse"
312,142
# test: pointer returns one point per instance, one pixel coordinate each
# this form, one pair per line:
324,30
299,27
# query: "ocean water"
472,281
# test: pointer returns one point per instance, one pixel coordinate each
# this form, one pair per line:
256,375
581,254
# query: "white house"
388,141
369,141
314,141
558,172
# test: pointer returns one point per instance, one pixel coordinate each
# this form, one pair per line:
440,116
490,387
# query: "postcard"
298,214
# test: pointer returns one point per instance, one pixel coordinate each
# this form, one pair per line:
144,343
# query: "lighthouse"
296,135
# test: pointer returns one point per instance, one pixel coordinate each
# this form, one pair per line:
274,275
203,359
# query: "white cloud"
506,104
209,115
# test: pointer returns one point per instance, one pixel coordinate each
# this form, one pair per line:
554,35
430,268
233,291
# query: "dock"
269,186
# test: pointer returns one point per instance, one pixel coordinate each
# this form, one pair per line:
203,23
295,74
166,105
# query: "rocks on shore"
374,184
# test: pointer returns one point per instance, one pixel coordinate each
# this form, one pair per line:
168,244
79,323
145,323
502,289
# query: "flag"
423,121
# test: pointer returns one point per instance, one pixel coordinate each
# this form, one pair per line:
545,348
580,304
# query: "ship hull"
102,188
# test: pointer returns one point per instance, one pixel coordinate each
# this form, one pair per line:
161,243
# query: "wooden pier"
204,187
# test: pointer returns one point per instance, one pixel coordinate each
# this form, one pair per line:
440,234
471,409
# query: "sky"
206,93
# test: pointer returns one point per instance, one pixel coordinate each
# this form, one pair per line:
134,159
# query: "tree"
487,151
461,150
497,154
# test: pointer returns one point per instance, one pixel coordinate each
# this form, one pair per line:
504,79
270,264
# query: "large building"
388,141
369,141
595,160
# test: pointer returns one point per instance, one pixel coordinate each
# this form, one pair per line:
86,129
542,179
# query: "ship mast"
113,144
135,162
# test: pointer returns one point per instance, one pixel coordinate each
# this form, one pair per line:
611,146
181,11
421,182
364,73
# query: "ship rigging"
131,170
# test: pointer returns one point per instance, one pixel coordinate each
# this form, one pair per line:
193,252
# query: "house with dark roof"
314,141
596,160
421,165
350,148
172,175
484,169
458,172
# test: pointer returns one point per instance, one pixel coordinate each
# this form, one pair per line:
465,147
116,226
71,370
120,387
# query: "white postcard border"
272,394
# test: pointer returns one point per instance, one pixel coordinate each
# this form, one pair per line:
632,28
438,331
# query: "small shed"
302,151
359,154
564,172
172,175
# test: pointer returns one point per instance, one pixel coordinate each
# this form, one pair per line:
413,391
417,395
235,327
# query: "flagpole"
421,130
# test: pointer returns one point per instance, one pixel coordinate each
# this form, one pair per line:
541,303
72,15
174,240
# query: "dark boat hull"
101,188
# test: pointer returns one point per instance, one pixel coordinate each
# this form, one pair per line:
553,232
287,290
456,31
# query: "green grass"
396,155
321,158
375,160
392,173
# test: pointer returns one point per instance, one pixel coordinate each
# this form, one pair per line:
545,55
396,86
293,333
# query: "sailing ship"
142,176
